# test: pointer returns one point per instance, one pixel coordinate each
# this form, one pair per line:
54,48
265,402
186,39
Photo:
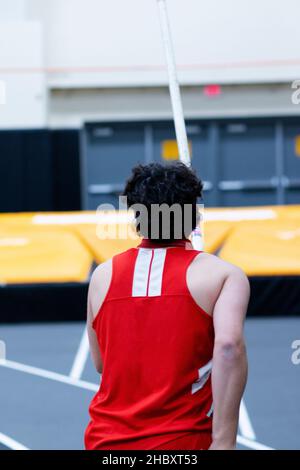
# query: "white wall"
23,94
118,42
72,108
12,9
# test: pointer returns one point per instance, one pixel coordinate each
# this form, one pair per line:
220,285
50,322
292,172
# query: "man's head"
164,199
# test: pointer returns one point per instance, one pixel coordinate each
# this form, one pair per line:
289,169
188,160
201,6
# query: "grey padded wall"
110,151
292,163
243,162
247,163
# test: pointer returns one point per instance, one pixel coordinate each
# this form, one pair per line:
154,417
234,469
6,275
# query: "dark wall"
39,170
65,147
25,171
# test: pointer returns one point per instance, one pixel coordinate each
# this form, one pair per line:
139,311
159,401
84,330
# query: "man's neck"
148,243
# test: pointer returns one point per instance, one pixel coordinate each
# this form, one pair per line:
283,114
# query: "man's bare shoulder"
214,271
99,285
101,272
207,276
219,266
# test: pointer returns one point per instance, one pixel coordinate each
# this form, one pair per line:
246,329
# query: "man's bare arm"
98,288
229,372
93,341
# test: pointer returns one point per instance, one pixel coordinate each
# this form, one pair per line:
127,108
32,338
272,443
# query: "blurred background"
83,98
86,82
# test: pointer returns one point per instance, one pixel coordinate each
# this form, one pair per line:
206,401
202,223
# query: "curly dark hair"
164,184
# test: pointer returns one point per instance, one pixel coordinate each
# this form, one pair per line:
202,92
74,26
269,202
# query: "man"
165,324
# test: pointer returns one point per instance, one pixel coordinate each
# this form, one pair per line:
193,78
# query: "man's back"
156,345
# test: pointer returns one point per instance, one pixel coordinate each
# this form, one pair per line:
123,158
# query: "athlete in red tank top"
165,324
157,347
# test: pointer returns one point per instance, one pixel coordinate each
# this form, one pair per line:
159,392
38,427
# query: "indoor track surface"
47,383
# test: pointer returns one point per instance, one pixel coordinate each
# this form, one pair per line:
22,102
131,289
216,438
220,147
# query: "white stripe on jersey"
148,272
203,375
141,273
156,274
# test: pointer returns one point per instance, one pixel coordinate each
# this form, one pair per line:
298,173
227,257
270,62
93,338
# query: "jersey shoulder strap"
175,273
122,273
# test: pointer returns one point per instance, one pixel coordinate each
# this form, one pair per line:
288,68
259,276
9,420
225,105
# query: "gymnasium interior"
84,97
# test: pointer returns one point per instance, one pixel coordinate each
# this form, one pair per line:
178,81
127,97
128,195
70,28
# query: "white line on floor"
252,444
245,425
81,357
11,443
47,374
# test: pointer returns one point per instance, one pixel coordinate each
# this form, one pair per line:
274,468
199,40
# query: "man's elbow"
230,350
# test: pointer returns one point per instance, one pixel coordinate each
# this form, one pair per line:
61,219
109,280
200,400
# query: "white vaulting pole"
180,127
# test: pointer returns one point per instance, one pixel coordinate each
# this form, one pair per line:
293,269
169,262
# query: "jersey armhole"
204,312
95,321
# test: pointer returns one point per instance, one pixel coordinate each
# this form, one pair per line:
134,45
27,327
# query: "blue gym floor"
43,408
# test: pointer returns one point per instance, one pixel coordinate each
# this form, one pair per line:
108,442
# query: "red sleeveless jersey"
156,345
